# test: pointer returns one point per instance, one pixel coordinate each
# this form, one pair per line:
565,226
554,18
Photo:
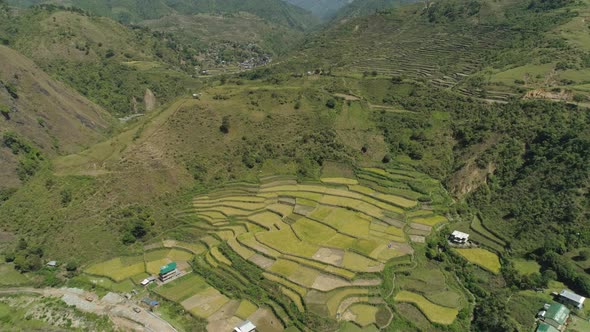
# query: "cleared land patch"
484,258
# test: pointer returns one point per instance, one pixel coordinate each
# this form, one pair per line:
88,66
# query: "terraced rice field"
320,247
484,258
311,237
435,313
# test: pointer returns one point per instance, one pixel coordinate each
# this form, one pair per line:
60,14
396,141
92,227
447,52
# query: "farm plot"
119,268
435,313
484,258
183,288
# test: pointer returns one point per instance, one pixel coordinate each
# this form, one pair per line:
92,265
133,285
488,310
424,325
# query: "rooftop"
558,313
544,327
246,326
572,296
168,268
460,235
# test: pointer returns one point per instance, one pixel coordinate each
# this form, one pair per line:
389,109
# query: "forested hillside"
109,63
135,11
317,190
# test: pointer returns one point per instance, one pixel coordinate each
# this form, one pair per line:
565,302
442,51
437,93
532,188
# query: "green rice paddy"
332,238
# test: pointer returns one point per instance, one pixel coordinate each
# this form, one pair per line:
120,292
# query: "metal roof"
572,296
168,268
544,327
558,313
460,235
246,326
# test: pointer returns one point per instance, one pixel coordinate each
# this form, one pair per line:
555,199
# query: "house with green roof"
544,327
168,272
555,315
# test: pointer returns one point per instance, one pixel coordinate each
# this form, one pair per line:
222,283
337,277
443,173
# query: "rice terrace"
284,254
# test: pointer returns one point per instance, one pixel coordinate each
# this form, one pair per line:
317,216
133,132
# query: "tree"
584,254
225,125
71,266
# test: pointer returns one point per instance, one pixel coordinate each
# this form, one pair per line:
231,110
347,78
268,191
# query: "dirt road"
119,309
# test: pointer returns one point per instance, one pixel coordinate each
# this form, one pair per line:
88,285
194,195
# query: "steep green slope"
275,11
40,115
109,63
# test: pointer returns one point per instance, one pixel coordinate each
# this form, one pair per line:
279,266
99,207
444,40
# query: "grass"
267,220
345,181
285,241
356,262
365,314
183,288
430,221
578,324
526,267
118,269
482,257
435,313
289,284
219,256
11,277
336,297
245,309
294,297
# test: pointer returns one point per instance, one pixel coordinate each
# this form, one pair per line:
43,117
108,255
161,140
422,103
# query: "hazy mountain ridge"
135,11
322,8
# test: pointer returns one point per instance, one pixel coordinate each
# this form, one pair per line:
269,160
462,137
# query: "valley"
296,175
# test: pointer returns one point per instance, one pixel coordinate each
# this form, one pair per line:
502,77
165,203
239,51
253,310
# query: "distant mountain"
132,11
321,8
367,7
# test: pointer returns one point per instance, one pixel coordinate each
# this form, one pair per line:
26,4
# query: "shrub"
66,197
579,98
331,103
5,111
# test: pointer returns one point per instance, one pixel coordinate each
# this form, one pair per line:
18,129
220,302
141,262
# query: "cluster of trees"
134,222
26,257
30,157
566,271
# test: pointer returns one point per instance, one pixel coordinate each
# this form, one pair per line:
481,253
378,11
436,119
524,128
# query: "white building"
569,297
246,326
147,281
459,237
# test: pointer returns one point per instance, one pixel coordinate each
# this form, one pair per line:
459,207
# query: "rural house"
459,237
148,280
168,271
52,264
569,297
246,326
555,314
